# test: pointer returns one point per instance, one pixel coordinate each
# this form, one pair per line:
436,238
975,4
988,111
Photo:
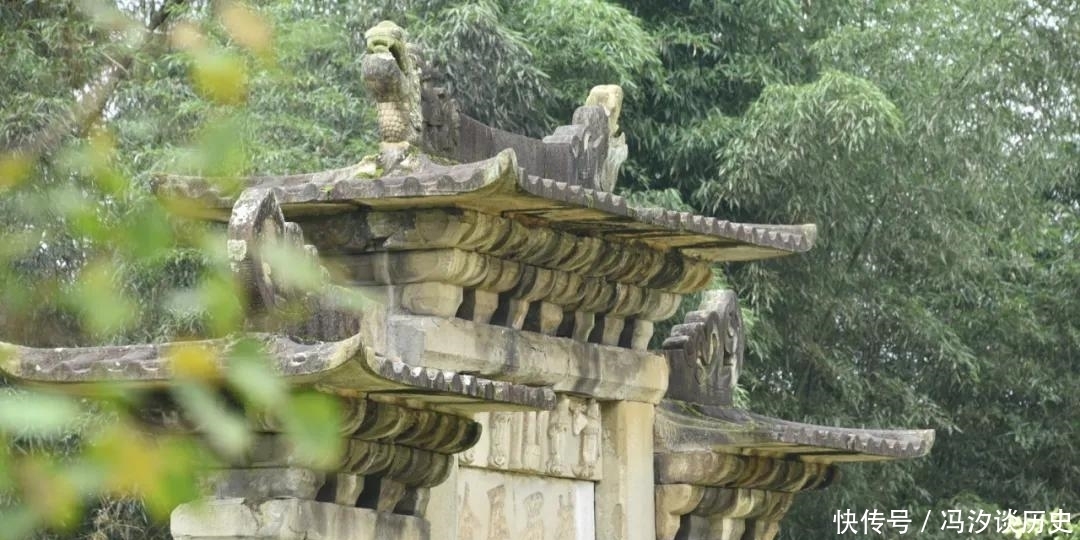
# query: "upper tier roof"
498,186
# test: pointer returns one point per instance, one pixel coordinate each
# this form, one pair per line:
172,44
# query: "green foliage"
932,142
90,257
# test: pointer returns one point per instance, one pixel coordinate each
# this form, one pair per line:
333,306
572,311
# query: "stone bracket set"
700,512
577,302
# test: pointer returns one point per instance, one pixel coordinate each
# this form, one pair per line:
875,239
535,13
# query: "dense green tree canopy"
934,143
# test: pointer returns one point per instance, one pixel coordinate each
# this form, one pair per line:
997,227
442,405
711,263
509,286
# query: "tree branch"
88,108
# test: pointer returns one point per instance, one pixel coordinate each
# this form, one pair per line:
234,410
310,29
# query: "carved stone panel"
563,443
706,351
493,505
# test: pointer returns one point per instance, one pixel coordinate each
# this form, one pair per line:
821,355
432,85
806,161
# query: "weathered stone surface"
726,473
262,484
730,470
498,186
442,122
435,282
408,466
673,501
682,428
479,504
391,73
626,487
289,519
347,366
527,358
610,97
706,351
346,235
387,423
563,443
730,514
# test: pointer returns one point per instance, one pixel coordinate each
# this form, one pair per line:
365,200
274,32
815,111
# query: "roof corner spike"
610,97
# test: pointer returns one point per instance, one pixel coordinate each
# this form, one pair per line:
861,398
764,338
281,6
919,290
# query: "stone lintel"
527,358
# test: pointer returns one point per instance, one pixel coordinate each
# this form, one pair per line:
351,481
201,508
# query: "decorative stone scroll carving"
256,219
257,224
586,153
563,443
706,351
729,470
736,472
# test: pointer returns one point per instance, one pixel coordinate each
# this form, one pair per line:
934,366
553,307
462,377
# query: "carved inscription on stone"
522,507
468,523
565,519
500,439
589,434
558,425
563,443
534,520
498,528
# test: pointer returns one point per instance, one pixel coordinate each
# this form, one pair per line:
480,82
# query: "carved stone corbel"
673,501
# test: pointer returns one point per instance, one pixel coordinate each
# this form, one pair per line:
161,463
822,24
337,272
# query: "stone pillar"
625,494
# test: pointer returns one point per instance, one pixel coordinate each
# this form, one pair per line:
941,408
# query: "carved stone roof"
498,186
685,429
698,427
345,366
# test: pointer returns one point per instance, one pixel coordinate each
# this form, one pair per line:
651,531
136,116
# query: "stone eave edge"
682,428
345,367
465,185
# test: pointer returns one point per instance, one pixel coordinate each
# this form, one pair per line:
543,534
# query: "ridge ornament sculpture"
506,352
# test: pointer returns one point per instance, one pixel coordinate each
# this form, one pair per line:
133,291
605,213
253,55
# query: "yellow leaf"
220,77
48,492
14,168
194,362
247,27
186,37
